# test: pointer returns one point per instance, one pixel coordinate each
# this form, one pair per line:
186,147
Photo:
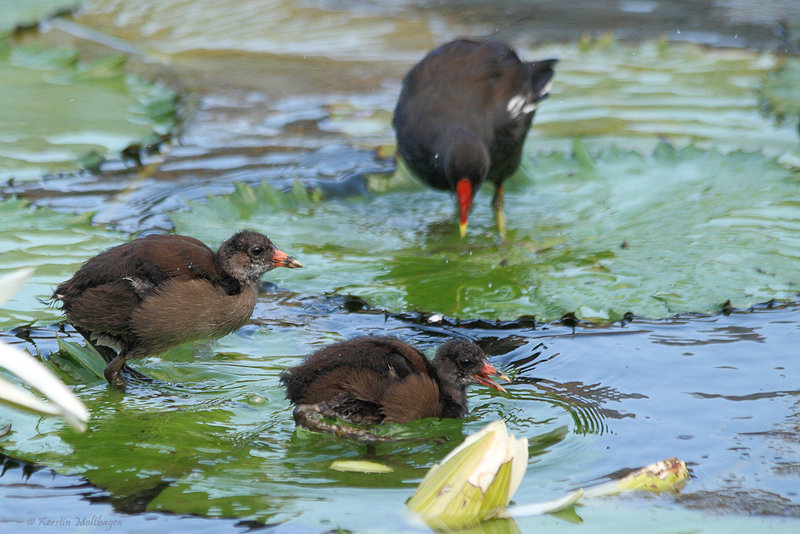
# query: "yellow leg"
497,205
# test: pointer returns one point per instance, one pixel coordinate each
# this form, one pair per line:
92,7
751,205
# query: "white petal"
13,282
472,438
519,464
37,375
495,456
14,394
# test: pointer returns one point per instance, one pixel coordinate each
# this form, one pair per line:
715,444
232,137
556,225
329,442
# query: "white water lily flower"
476,481
26,367
473,483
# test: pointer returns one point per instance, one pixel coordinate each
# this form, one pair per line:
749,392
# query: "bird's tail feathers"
542,76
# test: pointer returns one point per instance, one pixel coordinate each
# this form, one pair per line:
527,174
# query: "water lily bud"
473,483
666,475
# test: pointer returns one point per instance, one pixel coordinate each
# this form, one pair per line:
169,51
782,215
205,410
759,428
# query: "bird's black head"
466,166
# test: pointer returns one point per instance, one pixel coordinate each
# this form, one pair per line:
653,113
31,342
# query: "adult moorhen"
381,379
462,118
154,293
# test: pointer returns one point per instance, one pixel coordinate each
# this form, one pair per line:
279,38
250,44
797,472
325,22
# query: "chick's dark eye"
256,251
464,362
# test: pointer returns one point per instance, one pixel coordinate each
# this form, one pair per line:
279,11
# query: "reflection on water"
36,498
724,334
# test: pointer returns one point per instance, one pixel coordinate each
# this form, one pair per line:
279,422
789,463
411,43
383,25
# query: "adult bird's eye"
256,251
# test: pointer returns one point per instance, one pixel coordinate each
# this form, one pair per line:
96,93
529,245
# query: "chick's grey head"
247,255
461,363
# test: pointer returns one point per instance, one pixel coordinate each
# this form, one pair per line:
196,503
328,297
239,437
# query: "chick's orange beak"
281,259
483,377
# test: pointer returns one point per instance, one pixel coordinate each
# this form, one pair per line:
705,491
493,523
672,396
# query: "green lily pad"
677,230
53,243
633,94
58,110
81,362
18,13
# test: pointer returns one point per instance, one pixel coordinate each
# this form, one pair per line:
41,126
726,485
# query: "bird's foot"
311,416
116,380
133,373
501,228
112,372
497,205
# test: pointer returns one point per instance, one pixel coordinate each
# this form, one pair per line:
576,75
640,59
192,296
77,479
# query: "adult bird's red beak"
464,194
281,259
483,377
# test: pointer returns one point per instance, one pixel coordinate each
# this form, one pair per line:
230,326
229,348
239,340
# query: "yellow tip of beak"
462,229
293,263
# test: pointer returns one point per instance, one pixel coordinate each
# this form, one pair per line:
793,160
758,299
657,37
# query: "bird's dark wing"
352,394
462,88
145,264
103,312
365,396
177,257
416,397
387,357
403,357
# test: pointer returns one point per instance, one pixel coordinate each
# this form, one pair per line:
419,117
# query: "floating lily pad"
58,110
633,94
678,230
53,243
18,13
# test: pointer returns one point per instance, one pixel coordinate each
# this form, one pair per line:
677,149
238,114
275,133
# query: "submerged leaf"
360,466
581,154
634,94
